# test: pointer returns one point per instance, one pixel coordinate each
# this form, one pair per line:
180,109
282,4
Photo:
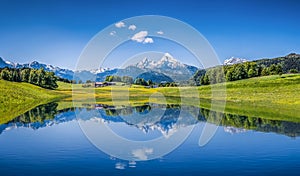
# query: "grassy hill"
17,98
272,97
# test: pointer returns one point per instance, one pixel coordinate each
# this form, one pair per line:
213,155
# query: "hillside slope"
17,98
271,97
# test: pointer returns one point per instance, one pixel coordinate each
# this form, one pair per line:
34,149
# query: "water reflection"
48,115
39,117
291,129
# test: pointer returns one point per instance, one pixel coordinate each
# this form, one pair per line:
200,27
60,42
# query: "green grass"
17,98
270,97
273,96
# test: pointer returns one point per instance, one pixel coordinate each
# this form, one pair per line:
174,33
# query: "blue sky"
56,32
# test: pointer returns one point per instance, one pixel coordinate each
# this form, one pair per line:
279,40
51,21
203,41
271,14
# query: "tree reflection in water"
48,114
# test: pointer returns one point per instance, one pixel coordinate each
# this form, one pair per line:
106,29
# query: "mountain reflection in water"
48,115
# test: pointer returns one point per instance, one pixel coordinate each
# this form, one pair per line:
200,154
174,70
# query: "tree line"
138,81
115,78
38,77
263,67
289,63
235,72
128,80
253,123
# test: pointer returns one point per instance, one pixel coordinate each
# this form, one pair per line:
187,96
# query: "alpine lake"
146,139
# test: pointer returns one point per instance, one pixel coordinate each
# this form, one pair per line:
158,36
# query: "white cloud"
112,33
148,40
120,24
141,37
142,153
132,27
160,32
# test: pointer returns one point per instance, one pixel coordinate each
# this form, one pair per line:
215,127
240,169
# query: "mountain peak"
99,70
234,60
166,65
4,63
145,60
168,57
144,63
34,62
168,61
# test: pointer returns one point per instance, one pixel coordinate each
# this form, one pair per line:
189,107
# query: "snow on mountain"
145,63
166,62
4,63
166,67
100,70
234,60
169,66
61,72
10,63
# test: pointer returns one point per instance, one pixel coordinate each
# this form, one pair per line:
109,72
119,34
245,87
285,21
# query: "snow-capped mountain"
99,70
169,66
61,72
234,60
166,69
166,62
145,63
4,63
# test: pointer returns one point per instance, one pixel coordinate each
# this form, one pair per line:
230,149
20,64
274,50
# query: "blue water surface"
59,147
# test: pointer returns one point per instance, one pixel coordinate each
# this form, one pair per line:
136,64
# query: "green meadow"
16,98
270,97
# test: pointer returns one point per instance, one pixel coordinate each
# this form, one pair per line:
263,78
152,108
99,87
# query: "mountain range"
164,120
63,73
60,72
166,69
169,66
234,60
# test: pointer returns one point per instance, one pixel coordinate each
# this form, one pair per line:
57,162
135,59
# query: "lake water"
150,140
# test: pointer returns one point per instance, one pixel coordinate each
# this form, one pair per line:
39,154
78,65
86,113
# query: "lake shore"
270,97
